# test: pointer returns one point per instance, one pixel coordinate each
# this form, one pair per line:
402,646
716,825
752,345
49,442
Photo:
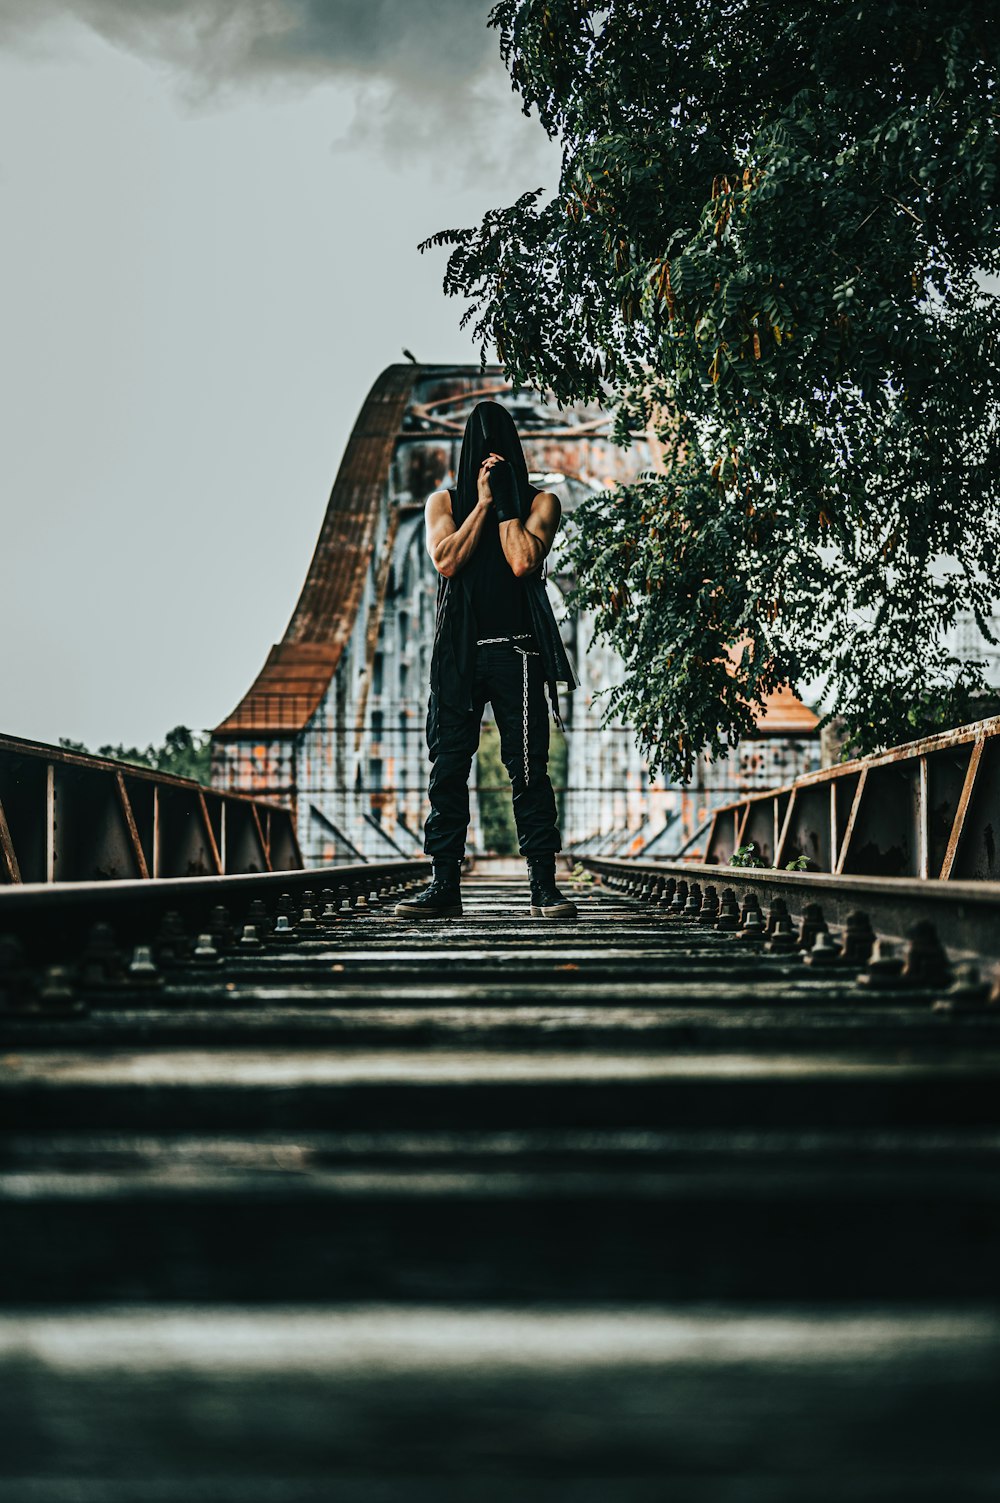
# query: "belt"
526,653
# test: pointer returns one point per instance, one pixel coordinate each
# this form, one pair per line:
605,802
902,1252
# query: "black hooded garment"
490,429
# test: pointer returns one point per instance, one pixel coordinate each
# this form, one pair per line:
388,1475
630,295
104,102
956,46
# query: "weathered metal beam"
930,807
8,856
965,798
852,820
67,816
209,832
133,829
785,826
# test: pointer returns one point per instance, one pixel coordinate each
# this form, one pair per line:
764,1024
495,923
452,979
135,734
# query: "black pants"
523,722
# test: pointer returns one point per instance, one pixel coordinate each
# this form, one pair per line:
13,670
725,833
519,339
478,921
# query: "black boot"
442,899
546,899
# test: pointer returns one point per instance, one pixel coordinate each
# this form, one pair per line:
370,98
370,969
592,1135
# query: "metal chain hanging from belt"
526,653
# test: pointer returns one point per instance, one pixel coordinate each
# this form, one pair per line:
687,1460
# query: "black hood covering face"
490,430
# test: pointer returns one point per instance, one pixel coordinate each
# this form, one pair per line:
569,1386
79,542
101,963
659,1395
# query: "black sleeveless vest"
499,607
454,652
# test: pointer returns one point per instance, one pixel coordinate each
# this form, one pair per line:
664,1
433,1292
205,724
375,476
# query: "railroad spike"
728,919
752,932
172,945
205,954
926,962
813,923
220,926
101,963
692,907
287,907
782,940
142,969
884,967
750,904
57,992
968,991
824,952
777,911
284,931
858,939
709,909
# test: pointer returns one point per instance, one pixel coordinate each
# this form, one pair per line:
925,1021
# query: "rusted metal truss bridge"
698,1191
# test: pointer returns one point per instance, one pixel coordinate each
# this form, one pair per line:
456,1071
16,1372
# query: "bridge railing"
928,809
68,817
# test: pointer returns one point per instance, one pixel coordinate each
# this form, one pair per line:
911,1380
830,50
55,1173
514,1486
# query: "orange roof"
287,689
786,715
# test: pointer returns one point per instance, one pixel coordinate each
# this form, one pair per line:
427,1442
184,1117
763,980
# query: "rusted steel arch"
293,680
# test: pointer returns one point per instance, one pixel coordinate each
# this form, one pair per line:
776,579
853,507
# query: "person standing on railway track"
495,640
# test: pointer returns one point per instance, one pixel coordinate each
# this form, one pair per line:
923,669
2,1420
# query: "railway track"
640,1206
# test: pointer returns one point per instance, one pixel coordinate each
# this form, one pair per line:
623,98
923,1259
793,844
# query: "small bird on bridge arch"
495,640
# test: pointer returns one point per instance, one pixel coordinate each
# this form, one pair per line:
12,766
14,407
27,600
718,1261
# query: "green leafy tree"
496,811
768,246
184,753
496,808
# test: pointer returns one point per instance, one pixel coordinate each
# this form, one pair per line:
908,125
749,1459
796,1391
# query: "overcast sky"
210,221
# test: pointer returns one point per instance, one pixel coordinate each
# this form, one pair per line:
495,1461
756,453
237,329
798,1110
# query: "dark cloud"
424,65
260,38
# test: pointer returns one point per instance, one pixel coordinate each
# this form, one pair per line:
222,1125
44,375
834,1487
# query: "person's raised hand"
483,482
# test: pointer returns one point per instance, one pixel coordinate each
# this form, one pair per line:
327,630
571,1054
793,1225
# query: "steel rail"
53,924
964,915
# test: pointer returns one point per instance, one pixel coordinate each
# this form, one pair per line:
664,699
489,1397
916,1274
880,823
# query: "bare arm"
526,544
451,547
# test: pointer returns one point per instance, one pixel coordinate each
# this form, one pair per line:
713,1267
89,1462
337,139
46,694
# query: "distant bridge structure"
333,726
